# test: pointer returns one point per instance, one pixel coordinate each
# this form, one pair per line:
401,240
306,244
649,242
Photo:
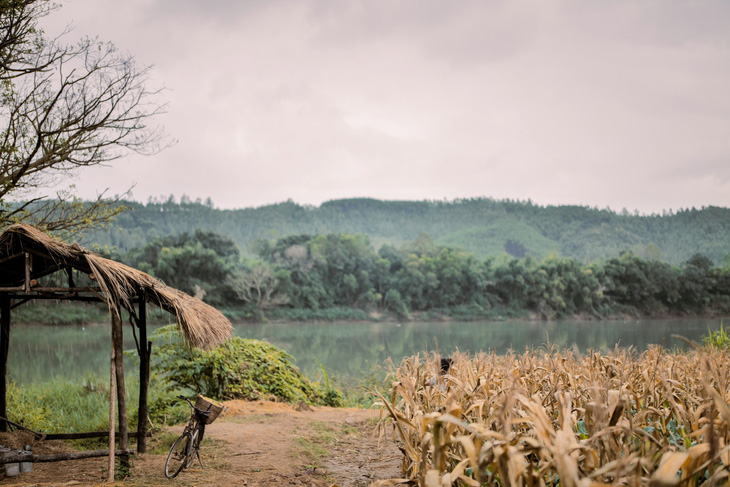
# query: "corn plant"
549,417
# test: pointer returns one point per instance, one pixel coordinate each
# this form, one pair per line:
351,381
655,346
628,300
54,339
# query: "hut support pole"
4,343
144,375
117,339
112,429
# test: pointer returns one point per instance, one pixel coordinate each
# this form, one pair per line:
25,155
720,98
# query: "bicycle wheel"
178,457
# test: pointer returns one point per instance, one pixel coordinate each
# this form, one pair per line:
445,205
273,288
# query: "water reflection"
347,350
350,349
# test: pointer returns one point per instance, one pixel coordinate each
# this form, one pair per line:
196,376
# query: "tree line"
344,271
482,226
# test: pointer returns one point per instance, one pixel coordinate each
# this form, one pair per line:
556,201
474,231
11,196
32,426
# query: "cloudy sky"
618,104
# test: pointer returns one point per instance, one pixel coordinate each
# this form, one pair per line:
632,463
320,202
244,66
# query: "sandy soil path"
253,444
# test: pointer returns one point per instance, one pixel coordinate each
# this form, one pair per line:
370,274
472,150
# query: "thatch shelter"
34,265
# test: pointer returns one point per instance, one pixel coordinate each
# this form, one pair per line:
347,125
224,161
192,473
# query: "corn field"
550,417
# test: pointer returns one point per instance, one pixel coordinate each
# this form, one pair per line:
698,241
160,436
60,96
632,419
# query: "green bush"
718,339
239,369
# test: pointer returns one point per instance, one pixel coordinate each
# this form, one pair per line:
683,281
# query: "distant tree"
258,286
64,107
697,283
198,264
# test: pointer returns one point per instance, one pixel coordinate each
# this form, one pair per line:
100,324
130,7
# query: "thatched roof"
202,325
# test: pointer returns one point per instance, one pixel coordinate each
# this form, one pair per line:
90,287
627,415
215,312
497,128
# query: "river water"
347,351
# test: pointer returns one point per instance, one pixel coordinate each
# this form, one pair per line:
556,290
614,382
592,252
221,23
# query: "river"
347,351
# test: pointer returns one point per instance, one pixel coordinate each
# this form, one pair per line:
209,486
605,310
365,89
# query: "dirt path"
253,444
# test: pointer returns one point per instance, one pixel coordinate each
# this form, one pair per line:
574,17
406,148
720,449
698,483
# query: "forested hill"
483,226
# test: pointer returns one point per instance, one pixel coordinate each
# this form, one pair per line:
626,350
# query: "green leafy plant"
330,395
239,369
718,339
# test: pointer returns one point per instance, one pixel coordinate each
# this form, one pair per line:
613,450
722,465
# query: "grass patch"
62,406
310,450
319,439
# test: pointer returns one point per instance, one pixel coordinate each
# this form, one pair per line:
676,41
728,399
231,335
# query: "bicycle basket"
213,408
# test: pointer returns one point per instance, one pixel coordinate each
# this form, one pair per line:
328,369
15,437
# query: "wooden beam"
145,348
11,257
55,289
83,436
28,297
59,457
4,347
63,436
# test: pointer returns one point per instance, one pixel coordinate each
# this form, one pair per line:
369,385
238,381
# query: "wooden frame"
30,290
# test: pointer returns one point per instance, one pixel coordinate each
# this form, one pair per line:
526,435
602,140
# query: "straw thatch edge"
202,325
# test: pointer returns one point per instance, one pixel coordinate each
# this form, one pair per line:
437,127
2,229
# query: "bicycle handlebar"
186,400
199,411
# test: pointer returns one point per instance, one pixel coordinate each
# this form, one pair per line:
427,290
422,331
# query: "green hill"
483,226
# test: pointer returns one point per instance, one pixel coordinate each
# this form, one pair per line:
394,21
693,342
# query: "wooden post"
144,375
117,339
112,429
4,347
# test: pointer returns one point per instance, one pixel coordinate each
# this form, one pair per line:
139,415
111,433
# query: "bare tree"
64,107
258,286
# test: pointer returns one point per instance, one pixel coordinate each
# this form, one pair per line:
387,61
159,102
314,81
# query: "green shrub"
239,369
718,339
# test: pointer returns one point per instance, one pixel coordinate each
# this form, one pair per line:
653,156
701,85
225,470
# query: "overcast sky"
619,104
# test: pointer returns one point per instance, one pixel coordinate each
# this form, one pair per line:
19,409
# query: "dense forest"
483,226
340,276
465,259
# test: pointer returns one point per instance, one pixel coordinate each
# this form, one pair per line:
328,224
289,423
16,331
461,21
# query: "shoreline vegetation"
342,277
72,314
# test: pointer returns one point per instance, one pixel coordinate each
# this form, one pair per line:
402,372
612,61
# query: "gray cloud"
596,103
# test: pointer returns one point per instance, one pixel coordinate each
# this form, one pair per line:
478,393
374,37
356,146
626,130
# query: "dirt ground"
251,444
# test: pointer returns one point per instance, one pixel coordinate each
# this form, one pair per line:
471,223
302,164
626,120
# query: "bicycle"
187,447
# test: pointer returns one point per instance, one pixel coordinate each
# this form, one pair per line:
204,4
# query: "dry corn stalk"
548,417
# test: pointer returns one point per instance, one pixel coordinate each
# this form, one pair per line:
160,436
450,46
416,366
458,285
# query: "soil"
252,444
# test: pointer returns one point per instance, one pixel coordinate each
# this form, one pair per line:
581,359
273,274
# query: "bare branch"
64,107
